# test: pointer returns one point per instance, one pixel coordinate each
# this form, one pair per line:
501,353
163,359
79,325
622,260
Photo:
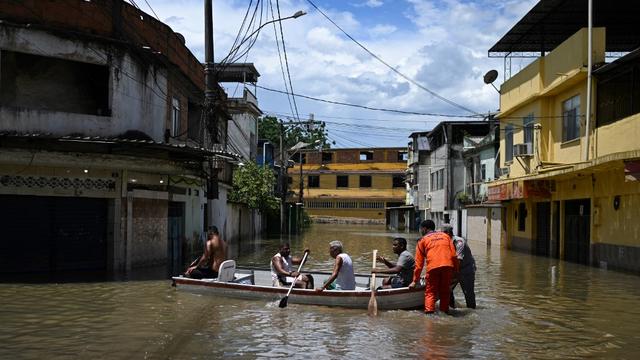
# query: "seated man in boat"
342,277
403,268
215,252
282,273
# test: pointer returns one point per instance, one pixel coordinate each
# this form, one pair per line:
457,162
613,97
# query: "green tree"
253,185
269,128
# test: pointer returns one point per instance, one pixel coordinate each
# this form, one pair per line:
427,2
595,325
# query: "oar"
283,302
373,303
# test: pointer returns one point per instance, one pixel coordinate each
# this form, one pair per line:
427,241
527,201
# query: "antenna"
490,77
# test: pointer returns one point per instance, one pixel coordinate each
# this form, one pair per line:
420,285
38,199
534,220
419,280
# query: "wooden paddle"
372,310
283,302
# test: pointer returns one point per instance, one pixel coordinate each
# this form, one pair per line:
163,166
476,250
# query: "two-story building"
353,184
437,173
105,159
570,121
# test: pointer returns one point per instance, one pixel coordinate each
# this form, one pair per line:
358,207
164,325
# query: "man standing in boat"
436,248
282,273
403,268
343,277
467,274
215,252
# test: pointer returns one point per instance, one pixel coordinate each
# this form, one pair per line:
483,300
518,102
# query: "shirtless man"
215,252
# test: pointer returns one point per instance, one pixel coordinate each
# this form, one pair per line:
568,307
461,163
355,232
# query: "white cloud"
381,30
442,44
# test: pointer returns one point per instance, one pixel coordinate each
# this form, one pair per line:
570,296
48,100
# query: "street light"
246,38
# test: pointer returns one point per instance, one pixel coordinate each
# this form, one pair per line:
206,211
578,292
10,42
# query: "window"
371,205
366,155
52,84
313,181
365,181
342,181
437,180
315,204
398,181
483,172
508,143
346,204
522,216
327,157
403,156
527,124
617,95
300,157
175,117
571,119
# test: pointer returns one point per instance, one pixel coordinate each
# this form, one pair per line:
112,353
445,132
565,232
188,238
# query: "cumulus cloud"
441,44
381,30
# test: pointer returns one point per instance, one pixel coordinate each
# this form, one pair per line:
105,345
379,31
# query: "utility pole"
283,181
210,106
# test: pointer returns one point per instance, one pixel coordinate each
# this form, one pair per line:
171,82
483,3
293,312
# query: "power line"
153,11
370,107
286,62
450,102
284,79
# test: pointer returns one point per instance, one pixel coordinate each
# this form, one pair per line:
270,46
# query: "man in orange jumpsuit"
440,254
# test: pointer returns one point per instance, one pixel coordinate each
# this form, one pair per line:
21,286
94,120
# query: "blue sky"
440,44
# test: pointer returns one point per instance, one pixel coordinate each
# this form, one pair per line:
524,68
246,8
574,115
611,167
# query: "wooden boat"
251,283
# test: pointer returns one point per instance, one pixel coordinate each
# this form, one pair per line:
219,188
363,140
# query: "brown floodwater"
528,307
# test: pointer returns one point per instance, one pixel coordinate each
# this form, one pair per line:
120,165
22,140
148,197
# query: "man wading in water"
215,252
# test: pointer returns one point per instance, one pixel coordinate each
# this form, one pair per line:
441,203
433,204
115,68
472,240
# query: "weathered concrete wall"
496,227
149,246
135,88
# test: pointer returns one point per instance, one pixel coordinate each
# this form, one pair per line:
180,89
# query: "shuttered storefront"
52,234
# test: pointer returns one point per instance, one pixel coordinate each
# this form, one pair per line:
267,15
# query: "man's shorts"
396,282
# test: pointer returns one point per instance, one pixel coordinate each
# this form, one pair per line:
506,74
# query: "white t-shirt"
346,279
286,261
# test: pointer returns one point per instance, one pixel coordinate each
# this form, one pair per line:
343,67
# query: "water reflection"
525,310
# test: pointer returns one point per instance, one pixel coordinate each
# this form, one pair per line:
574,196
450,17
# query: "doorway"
175,230
577,229
543,223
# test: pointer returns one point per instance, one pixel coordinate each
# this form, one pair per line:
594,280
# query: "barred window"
372,205
317,204
347,204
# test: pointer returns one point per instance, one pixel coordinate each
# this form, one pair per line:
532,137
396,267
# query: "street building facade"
106,163
569,155
356,183
437,173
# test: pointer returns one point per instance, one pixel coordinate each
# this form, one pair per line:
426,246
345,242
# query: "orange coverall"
437,249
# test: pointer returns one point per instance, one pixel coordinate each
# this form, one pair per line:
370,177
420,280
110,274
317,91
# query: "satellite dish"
490,76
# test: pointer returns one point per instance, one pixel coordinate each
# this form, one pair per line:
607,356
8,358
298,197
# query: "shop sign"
539,188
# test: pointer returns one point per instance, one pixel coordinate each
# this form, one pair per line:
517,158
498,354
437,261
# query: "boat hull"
387,299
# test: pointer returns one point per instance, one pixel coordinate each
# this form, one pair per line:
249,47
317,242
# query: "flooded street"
528,307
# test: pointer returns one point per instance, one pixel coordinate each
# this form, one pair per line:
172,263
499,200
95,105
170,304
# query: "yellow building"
568,180
351,183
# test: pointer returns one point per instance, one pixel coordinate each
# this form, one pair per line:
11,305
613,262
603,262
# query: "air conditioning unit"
522,149
504,171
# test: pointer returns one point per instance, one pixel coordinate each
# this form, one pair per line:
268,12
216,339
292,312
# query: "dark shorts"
203,273
396,282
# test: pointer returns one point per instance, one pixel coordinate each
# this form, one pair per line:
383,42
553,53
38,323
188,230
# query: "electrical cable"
433,93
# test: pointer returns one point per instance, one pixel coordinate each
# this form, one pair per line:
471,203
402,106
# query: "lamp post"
248,37
210,95
301,193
